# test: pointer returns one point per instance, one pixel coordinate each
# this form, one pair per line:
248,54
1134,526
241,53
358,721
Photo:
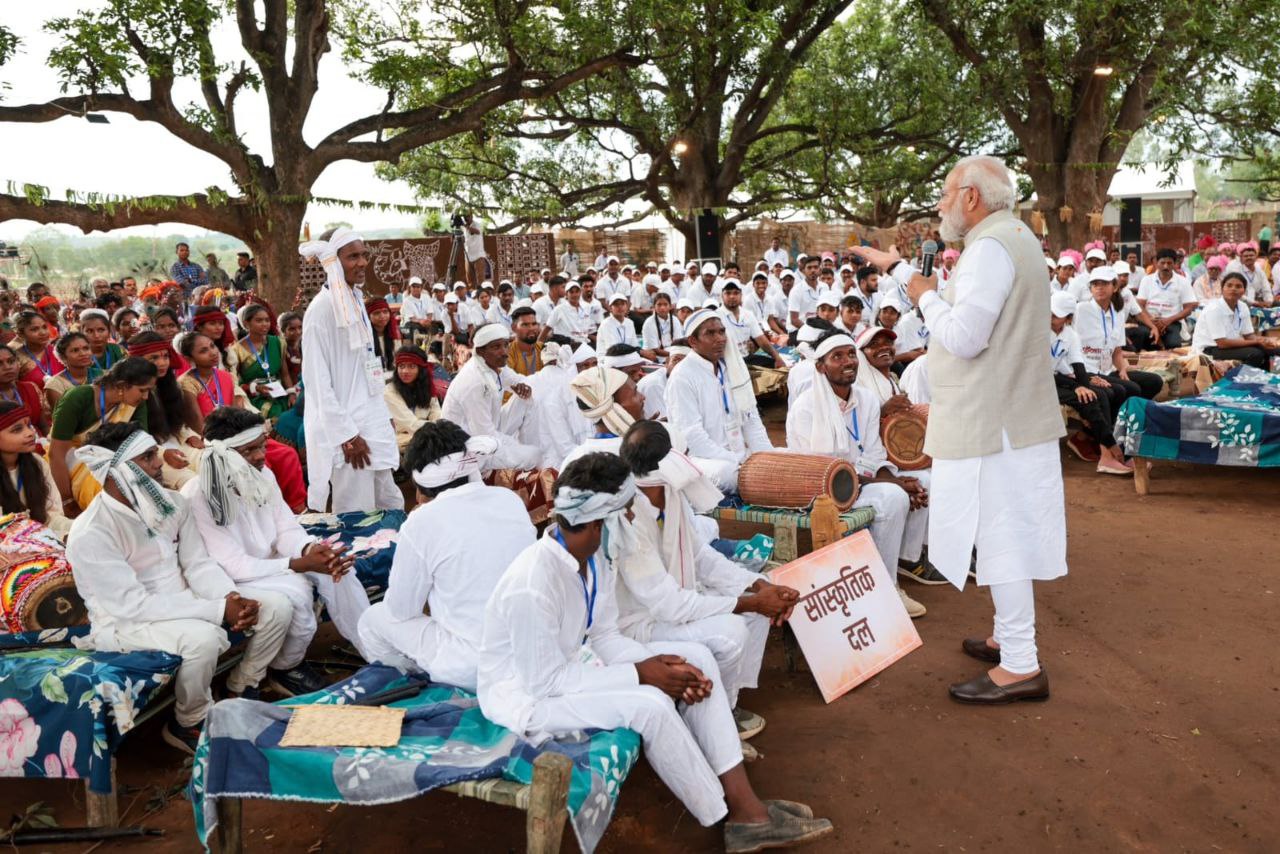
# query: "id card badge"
736,443
587,656
373,373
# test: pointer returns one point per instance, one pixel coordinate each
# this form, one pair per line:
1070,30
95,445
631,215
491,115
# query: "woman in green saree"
261,362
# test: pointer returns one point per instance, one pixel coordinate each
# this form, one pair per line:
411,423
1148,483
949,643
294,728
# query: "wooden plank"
824,522
548,803
230,835
103,810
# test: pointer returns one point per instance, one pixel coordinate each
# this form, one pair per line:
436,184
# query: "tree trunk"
275,251
1080,188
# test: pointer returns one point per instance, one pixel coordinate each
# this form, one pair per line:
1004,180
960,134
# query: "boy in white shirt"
1168,298
745,331
553,662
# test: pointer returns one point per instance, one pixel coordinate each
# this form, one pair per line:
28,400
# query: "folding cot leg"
230,838
1141,475
548,803
103,810
824,522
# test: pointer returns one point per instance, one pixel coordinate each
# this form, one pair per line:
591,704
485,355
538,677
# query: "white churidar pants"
889,530
364,490
1015,625
200,643
346,601
736,641
689,747
419,643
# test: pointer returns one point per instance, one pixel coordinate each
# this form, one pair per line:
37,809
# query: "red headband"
149,347
376,304
412,359
210,312
13,416
45,302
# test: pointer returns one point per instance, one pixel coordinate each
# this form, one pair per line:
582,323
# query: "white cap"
450,298
1062,304
785,274
619,298
710,302
1095,253
868,335
653,279
537,288
625,361
664,268
571,284
491,332
523,302
415,280
1102,274
677,271
709,269
584,353
457,285
612,259
653,264
685,302
829,298
1122,268
438,286
1066,261
545,270
1049,261
486,285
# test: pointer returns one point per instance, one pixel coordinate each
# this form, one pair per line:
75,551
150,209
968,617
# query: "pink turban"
1219,261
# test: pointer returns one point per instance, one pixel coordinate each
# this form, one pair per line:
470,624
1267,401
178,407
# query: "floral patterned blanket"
1235,422
63,711
444,740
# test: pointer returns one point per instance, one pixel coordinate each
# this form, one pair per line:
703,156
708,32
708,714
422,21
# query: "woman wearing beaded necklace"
260,357
74,352
36,358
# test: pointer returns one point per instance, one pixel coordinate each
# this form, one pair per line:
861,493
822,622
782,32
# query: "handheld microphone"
927,252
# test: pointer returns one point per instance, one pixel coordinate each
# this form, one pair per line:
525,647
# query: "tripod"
455,250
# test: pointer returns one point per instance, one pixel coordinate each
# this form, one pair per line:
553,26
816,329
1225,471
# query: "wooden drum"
903,438
37,592
794,481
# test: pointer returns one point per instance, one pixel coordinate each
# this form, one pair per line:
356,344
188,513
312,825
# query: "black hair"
165,419
31,475
680,342
176,245
131,371
119,315
560,339
866,271
1166,252
250,311
165,311
505,286
731,283
1234,274
621,350
112,436
226,421
187,345
520,312
286,318
852,301
556,280
106,300
597,472
433,441
644,445
819,323
420,392
25,318
64,341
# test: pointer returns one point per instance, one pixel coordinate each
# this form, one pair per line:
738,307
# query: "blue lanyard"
1053,351
854,431
69,378
102,405
45,362
107,354
17,398
589,600
1237,318
1109,314
19,487
215,393
606,435
724,395
264,361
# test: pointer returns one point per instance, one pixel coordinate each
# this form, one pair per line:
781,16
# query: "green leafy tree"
1074,80
461,59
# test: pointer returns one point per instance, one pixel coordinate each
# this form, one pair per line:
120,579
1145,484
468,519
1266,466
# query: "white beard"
952,228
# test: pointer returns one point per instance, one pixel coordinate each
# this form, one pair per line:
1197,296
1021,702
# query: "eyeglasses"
946,193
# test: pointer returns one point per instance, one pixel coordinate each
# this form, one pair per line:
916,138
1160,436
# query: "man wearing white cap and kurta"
994,423
711,400
350,441
474,401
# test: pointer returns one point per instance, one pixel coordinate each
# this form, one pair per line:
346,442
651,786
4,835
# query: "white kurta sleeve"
981,288
410,582
535,652
684,411
800,423
203,573
727,579
756,436
109,584
650,585
873,456
613,647
319,365
225,548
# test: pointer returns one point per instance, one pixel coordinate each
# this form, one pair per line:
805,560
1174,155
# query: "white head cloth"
584,353
594,388
466,463
491,332
90,313
686,490
829,431
578,506
348,306
740,386
149,499
626,360
228,481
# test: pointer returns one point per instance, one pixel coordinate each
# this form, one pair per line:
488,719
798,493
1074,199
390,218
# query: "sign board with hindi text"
850,621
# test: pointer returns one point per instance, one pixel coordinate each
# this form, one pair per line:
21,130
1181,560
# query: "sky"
128,157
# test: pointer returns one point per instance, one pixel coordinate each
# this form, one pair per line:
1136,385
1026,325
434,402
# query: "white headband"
678,350
149,499
450,467
227,478
696,319
578,506
831,343
491,332
624,361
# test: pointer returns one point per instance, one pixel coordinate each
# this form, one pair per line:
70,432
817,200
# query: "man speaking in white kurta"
994,422
351,444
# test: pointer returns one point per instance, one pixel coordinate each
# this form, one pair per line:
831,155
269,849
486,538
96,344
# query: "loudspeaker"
1131,220
708,234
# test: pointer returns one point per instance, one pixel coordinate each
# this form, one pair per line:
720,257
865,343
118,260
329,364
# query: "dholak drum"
903,438
794,481
37,592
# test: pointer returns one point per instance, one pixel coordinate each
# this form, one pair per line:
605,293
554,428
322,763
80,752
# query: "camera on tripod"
456,223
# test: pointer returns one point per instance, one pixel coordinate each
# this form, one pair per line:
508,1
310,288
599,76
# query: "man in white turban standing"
474,401
351,444
994,424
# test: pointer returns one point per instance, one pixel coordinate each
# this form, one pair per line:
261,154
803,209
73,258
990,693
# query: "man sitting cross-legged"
449,556
141,566
250,531
676,587
553,662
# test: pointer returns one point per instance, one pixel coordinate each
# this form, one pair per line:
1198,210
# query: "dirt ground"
1163,733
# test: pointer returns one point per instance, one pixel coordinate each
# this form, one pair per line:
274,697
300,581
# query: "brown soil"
1162,733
